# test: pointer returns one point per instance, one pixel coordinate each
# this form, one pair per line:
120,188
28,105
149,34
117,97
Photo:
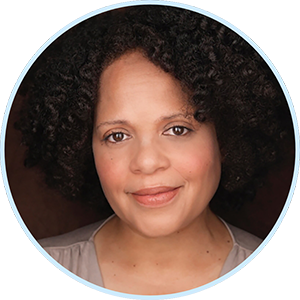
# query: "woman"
173,114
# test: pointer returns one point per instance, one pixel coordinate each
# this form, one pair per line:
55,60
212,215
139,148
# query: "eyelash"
185,129
106,139
185,132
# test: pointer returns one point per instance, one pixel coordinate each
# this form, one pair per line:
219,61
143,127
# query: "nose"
149,158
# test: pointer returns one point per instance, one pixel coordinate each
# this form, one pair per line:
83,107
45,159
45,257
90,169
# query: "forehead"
134,83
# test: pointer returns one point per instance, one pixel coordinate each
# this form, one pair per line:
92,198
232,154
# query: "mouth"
155,197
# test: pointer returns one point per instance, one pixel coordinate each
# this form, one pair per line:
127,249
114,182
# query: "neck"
201,235
183,260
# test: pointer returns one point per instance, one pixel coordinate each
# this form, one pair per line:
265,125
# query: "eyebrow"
186,115
115,122
124,122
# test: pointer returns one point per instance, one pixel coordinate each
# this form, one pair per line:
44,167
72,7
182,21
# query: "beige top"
76,250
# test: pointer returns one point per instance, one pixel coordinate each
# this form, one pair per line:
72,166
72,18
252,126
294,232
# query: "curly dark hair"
229,82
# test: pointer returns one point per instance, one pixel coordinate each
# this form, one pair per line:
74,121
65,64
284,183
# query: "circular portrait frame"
197,10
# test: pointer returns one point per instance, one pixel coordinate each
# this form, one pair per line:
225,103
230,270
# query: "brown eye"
117,137
178,130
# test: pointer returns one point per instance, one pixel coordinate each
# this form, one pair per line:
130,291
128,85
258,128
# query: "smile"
155,197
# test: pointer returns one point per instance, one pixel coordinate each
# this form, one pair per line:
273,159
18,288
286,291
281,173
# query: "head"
158,167
213,78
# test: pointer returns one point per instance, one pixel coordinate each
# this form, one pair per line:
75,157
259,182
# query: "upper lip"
154,190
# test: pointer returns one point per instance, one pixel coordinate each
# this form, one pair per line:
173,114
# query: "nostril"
148,159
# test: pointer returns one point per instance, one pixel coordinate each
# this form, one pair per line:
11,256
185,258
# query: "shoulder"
80,235
243,238
244,244
72,249
75,251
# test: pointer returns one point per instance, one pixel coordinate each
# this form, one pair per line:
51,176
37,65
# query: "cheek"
110,171
200,164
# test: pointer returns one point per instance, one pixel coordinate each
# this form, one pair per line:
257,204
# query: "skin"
146,138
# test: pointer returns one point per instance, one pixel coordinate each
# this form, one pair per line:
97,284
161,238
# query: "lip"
155,197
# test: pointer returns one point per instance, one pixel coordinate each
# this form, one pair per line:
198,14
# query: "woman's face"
158,167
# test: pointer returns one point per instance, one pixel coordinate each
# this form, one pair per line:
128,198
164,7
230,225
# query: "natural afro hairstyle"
228,82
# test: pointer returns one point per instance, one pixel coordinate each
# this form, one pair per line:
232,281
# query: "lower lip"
157,200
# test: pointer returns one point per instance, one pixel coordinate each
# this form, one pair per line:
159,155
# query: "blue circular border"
134,3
